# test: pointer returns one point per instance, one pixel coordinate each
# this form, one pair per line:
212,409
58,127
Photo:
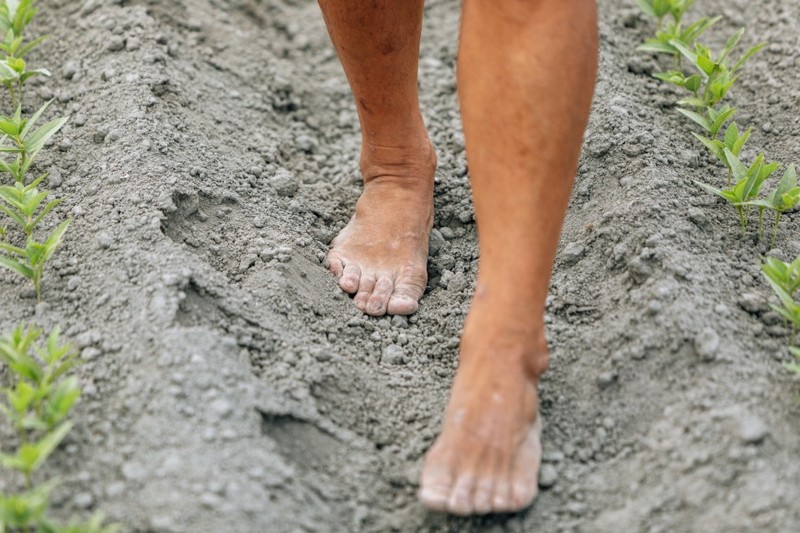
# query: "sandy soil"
229,386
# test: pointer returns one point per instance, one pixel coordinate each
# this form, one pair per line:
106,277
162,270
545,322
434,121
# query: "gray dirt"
230,386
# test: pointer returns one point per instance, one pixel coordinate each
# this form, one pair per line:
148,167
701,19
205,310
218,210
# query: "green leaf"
739,144
647,7
750,53
736,166
715,147
694,102
16,266
22,52
35,141
54,240
45,447
730,45
696,117
656,46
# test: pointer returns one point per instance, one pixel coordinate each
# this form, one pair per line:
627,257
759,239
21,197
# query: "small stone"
83,500
606,379
69,69
753,302
73,283
752,429
437,241
393,355
698,217
134,43
548,475
706,344
89,353
115,43
573,252
284,182
306,143
104,239
400,321
447,233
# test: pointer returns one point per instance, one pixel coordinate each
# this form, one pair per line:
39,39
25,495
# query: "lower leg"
381,256
526,75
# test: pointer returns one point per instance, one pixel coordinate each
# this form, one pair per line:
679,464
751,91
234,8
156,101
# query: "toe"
335,265
482,500
376,305
460,501
525,484
350,280
502,497
436,483
365,287
404,299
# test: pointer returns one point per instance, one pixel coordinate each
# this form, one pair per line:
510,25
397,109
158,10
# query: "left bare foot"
487,458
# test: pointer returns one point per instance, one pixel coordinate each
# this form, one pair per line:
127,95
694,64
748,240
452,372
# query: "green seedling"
25,204
30,261
15,15
14,73
784,198
674,31
788,309
713,120
748,184
661,8
717,73
794,367
692,83
25,141
785,275
733,140
38,399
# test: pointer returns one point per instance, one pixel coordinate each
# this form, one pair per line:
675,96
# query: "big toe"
405,297
436,482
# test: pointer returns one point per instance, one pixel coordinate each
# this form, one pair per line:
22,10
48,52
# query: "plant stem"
775,229
742,221
760,223
730,172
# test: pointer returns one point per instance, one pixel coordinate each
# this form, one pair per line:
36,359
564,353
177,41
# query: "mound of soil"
230,386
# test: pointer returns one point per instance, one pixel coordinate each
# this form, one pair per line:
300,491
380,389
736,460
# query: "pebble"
753,302
115,43
70,69
573,252
447,233
752,429
606,379
706,344
83,500
399,321
89,353
548,476
437,241
393,355
73,283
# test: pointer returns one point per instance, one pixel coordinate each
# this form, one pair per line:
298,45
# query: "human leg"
381,255
526,76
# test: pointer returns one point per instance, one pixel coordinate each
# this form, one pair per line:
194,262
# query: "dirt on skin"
229,384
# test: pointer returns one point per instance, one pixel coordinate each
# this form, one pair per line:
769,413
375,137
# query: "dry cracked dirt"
211,156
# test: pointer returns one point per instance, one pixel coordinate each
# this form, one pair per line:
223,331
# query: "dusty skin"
523,139
229,382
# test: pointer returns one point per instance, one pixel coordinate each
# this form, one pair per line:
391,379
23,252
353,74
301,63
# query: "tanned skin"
526,71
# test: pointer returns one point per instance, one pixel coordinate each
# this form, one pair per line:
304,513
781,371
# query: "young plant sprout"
785,275
713,120
26,142
24,204
784,198
718,76
733,140
661,8
674,31
30,261
14,17
788,308
748,184
38,400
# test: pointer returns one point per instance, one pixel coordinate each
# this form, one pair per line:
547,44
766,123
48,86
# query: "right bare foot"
381,256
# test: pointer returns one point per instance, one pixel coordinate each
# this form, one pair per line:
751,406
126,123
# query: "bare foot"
487,458
381,256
